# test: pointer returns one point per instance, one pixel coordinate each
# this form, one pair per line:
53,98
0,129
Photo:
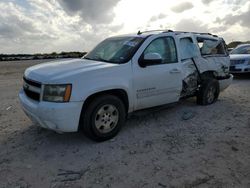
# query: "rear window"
211,47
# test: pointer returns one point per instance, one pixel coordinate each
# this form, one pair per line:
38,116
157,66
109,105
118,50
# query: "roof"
148,33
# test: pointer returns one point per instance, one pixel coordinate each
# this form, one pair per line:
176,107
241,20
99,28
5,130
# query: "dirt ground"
156,148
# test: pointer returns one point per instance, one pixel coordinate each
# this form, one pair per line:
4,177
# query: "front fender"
119,77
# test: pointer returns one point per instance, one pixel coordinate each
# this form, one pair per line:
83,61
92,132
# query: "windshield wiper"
104,60
96,59
101,59
87,58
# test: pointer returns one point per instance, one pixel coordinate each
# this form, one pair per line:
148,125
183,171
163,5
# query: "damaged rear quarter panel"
216,63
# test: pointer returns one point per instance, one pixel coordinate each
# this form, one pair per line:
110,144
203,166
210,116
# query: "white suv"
240,59
124,74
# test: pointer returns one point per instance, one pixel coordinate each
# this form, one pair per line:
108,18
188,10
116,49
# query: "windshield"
115,50
241,50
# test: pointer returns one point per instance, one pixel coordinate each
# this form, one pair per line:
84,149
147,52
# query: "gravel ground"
182,145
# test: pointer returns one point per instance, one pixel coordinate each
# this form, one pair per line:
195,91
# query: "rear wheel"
209,92
103,117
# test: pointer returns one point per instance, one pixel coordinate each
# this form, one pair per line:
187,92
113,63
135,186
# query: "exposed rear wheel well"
208,75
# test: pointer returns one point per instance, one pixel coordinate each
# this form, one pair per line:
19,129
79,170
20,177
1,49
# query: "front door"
161,82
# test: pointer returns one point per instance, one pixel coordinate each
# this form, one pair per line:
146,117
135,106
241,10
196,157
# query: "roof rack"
163,31
179,32
176,32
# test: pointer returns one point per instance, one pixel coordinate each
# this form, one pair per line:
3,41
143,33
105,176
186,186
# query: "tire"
103,118
209,92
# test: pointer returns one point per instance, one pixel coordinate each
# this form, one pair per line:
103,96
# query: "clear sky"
38,26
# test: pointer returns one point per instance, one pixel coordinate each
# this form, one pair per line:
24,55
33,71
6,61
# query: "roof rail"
176,32
164,31
200,33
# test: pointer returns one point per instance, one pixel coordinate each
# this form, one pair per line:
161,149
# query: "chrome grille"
237,62
32,89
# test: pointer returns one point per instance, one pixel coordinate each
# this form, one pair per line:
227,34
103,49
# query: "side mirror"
150,59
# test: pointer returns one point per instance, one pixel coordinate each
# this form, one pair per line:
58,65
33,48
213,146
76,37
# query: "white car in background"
240,59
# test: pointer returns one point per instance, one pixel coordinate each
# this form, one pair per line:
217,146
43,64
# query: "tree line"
234,44
53,55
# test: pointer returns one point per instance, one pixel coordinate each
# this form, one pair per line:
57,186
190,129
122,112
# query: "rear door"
189,53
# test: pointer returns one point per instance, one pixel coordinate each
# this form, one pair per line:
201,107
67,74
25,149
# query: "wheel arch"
209,74
120,93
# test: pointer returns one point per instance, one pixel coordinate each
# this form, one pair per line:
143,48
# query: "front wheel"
103,118
209,92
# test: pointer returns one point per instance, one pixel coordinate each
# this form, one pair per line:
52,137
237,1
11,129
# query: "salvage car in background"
240,59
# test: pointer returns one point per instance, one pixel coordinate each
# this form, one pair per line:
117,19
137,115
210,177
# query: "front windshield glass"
115,50
241,50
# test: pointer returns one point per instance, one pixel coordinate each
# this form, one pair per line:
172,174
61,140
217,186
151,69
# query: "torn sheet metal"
208,61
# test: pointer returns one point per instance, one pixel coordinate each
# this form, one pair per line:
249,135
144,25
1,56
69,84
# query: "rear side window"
165,46
211,47
188,49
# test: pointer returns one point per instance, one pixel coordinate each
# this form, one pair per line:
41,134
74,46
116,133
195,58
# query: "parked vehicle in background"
229,49
124,74
240,59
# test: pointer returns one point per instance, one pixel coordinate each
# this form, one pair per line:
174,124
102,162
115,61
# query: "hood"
52,72
239,56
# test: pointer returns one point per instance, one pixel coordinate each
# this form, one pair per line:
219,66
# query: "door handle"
175,70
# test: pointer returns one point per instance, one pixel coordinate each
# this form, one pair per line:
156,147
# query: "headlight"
57,93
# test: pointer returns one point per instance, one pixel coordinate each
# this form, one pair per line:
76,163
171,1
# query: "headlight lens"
57,93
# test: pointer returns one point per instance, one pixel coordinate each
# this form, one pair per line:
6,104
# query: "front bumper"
224,83
60,117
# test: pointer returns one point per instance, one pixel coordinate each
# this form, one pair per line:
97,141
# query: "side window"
211,47
165,46
188,49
